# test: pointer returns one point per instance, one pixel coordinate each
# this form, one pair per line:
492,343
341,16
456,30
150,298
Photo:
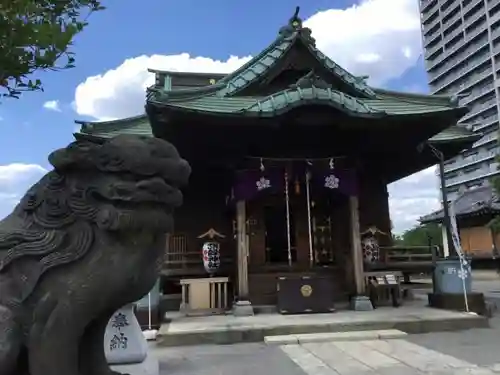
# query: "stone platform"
228,329
476,302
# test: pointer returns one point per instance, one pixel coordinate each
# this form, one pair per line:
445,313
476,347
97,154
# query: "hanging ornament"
262,168
331,164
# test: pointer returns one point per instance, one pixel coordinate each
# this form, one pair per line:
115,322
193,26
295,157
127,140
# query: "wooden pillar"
356,250
242,250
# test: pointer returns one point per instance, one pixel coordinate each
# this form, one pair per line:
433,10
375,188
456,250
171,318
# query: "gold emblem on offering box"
306,290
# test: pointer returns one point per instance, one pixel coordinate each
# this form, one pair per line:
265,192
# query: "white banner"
454,230
465,268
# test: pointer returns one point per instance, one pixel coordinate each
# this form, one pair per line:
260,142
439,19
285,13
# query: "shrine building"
291,158
474,210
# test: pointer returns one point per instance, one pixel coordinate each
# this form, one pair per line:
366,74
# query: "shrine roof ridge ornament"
295,26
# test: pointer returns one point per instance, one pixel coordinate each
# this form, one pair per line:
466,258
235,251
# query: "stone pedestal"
125,346
243,308
361,303
453,301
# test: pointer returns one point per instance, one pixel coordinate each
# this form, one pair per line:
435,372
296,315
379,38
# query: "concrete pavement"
412,317
239,359
381,357
472,352
479,346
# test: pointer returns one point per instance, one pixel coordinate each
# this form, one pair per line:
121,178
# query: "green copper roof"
355,97
285,100
289,36
259,65
456,134
445,100
140,125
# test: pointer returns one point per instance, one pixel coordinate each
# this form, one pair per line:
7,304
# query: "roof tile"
470,202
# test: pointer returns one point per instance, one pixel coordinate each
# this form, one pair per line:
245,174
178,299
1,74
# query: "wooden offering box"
305,294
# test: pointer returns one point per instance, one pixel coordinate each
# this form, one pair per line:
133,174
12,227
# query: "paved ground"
412,317
239,359
473,352
479,346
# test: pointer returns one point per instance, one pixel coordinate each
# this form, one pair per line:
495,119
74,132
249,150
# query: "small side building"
474,209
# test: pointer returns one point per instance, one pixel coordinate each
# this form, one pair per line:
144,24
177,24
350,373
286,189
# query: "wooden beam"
356,249
242,250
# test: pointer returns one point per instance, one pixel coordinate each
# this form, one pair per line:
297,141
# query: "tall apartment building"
461,39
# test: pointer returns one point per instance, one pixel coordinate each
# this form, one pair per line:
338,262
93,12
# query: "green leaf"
38,35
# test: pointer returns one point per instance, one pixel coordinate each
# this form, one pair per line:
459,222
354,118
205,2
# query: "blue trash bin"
447,276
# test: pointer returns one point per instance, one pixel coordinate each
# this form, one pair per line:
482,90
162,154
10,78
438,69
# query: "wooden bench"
384,288
409,260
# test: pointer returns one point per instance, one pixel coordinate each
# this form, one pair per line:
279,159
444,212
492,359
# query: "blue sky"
377,37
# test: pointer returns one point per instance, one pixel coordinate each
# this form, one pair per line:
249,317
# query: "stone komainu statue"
85,240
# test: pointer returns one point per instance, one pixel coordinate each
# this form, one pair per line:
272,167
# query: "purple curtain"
252,183
335,180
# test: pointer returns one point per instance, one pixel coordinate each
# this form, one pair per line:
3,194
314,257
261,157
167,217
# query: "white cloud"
120,92
407,52
368,58
378,38
356,38
412,197
52,105
15,179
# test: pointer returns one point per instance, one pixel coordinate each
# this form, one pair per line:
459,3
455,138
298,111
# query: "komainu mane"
84,241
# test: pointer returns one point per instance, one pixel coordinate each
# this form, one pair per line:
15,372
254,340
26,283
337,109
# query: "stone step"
384,334
248,331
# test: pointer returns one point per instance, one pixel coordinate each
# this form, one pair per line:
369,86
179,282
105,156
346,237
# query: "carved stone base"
123,340
150,366
361,303
243,308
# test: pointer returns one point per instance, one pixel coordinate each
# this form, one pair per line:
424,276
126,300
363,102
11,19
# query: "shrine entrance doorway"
276,234
329,228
